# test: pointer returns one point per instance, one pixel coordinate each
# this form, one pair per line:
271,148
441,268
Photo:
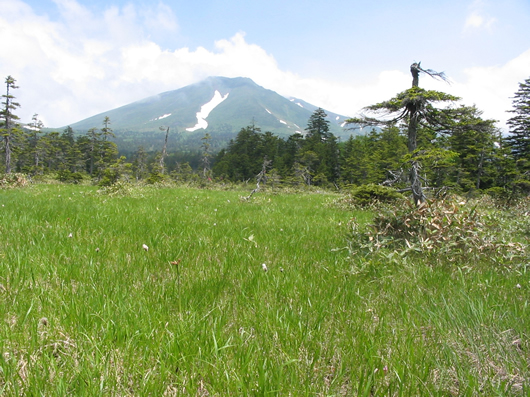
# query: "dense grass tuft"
88,310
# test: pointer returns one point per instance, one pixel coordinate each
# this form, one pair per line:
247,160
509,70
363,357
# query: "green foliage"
319,152
68,176
9,128
313,159
522,186
243,158
155,177
439,165
369,158
414,100
519,124
370,193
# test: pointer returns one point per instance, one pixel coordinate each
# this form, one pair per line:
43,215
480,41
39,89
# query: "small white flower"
518,285
70,235
215,210
145,247
281,269
264,267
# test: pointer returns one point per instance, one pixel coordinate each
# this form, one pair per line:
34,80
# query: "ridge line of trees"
451,146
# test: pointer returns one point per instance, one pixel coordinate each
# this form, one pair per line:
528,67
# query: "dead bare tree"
164,151
262,176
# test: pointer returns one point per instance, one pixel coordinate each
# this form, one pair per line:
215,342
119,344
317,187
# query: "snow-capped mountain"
214,105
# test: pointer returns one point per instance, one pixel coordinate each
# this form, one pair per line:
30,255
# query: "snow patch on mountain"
205,111
161,117
283,122
298,103
268,111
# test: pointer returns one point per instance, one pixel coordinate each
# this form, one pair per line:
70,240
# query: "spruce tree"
8,125
320,153
519,139
414,108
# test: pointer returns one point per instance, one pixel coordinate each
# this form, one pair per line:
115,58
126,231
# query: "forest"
451,146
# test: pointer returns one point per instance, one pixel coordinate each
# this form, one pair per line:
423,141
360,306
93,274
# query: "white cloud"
84,64
477,18
491,88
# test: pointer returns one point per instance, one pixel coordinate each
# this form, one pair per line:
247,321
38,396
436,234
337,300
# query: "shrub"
8,181
367,194
155,177
67,176
441,227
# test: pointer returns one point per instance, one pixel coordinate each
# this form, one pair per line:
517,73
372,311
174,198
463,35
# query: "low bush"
367,194
67,176
446,228
15,180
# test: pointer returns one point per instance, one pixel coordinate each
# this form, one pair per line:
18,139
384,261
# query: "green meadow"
181,291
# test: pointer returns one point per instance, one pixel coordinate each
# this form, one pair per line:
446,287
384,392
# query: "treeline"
464,152
472,154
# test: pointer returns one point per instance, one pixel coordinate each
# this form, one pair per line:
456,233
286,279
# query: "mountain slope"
229,103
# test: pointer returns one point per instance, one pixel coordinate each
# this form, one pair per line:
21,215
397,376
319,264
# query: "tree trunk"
164,151
480,169
415,70
415,183
7,140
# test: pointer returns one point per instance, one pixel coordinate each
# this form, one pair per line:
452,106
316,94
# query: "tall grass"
88,311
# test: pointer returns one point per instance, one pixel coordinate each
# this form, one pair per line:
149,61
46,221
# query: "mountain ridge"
244,103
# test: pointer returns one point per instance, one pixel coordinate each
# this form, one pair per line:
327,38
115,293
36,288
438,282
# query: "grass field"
163,292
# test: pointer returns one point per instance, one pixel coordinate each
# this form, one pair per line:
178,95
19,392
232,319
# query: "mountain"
217,105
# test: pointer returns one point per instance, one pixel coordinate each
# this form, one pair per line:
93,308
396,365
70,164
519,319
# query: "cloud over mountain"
78,61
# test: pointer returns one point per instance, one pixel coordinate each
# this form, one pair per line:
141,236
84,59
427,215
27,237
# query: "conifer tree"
519,139
92,147
35,149
140,164
413,107
473,140
8,125
320,151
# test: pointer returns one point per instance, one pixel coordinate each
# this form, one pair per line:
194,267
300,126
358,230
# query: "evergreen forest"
452,147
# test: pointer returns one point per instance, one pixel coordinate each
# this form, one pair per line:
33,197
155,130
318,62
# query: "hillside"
217,105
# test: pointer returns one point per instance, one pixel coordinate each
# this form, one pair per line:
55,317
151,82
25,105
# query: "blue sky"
76,58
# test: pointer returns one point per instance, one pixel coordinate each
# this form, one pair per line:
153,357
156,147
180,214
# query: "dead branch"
262,176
